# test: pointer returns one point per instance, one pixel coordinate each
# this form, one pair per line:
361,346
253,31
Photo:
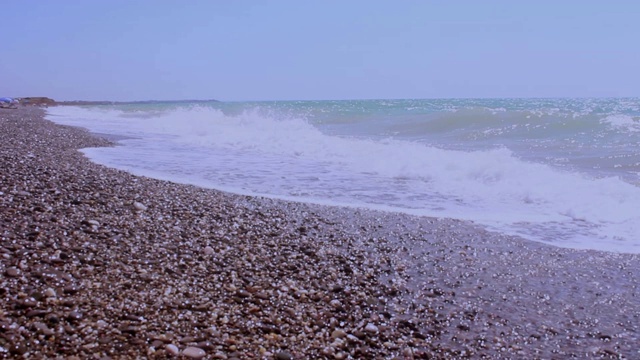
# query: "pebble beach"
98,263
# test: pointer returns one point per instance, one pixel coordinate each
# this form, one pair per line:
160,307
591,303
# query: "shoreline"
99,262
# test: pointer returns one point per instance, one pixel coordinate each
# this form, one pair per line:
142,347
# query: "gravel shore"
98,263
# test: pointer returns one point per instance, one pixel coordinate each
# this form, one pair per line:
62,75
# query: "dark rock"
52,318
42,328
18,349
128,329
34,313
284,355
26,303
13,272
243,293
105,340
74,316
71,289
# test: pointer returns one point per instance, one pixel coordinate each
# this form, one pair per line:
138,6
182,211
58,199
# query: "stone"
74,316
12,272
28,303
243,293
194,352
36,313
128,329
71,289
139,206
336,334
370,328
42,328
284,355
208,250
52,318
18,349
50,293
37,295
172,350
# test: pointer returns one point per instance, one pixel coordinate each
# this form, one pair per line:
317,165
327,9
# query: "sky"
126,50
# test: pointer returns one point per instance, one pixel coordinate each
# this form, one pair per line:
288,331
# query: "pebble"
336,334
43,328
52,318
243,293
340,356
50,292
74,316
208,250
13,272
18,349
370,328
27,303
172,349
284,355
34,313
128,329
71,289
194,352
139,206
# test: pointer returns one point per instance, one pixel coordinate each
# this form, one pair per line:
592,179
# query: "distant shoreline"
45,101
79,102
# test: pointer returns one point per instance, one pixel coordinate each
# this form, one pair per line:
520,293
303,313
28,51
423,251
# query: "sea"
565,172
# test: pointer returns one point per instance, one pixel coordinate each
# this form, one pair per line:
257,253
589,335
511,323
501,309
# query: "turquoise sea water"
560,171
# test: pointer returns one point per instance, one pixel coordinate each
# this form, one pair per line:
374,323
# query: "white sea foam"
623,122
258,152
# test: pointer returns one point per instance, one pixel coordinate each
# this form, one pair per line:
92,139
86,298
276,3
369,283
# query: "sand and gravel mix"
98,263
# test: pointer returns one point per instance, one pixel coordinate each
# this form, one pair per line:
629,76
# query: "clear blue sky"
283,50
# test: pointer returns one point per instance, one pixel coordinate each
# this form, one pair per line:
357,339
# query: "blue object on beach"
6,99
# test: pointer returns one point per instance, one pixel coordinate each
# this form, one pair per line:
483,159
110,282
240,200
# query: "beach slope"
96,262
